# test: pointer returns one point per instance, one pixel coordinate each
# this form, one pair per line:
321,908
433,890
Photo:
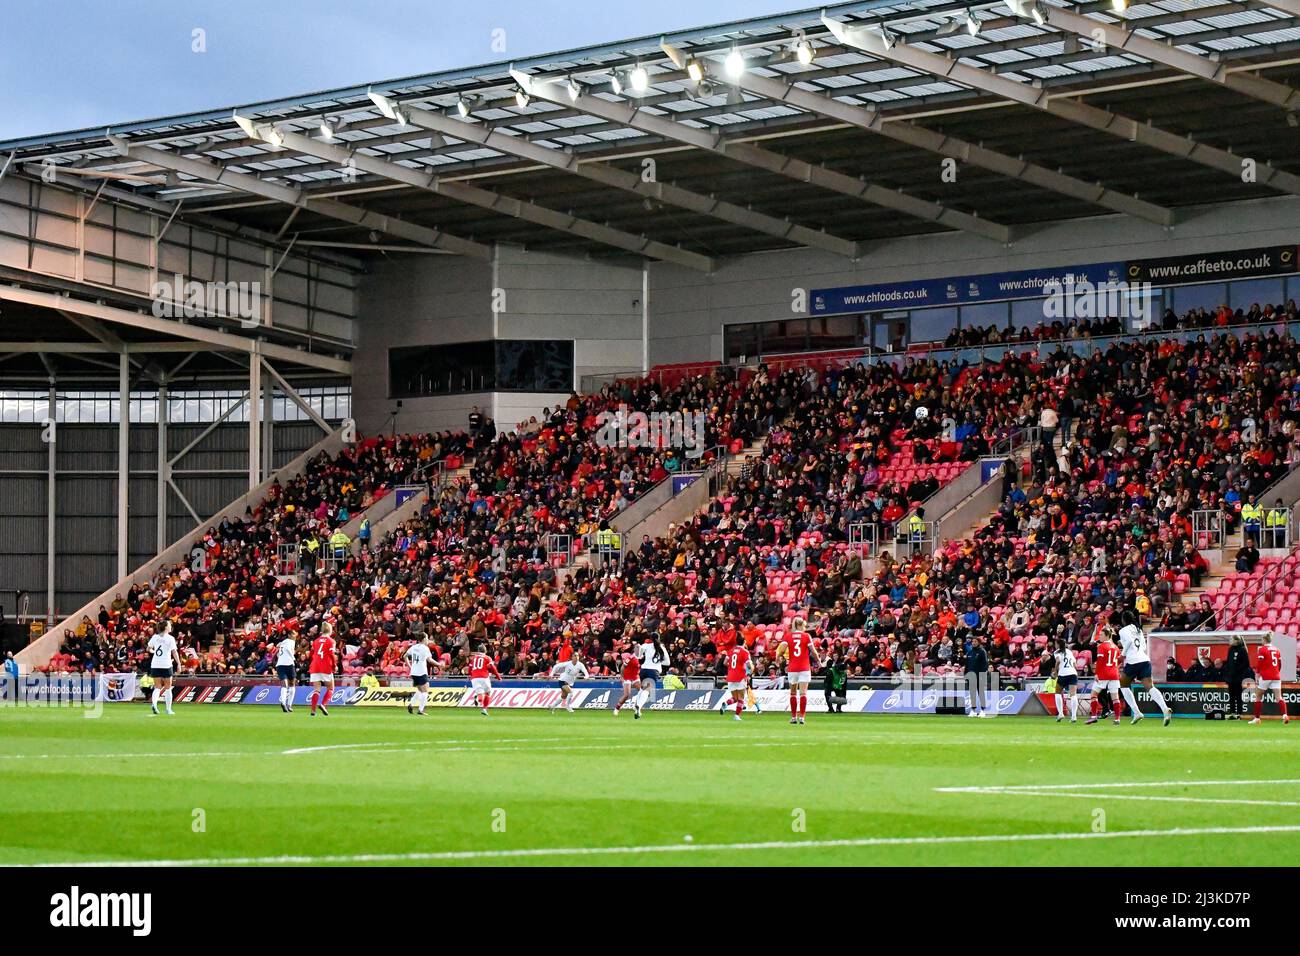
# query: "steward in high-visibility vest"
916,524
1251,513
1276,521
339,543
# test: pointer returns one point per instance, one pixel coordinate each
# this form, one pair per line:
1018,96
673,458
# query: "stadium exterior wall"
688,309
433,300
85,528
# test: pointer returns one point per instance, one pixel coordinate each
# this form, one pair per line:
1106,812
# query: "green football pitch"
251,785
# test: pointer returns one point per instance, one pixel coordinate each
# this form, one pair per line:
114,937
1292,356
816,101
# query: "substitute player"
1066,675
419,656
162,655
631,680
739,667
286,668
799,655
481,671
1105,685
1137,667
566,672
1268,665
324,662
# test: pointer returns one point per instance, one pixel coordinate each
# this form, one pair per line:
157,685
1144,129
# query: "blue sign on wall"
682,481
958,290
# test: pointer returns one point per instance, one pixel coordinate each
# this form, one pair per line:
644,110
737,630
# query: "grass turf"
131,787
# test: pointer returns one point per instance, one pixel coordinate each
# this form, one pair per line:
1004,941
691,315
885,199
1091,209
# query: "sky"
72,64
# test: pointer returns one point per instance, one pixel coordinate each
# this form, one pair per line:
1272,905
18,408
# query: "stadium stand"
1131,438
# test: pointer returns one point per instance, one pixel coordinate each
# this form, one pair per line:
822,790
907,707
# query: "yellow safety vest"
1252,513
916,525
1276,517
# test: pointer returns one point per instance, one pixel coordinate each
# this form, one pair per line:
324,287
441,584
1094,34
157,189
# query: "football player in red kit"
481,669
631,680
738,670
799,654
324,662
1268,665
1105,685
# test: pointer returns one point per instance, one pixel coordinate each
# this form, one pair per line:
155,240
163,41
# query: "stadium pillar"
50,496
268,428
645,317
254,416
160,513
123,458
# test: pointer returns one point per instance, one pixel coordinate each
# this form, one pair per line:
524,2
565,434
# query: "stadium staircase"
382,525
38,653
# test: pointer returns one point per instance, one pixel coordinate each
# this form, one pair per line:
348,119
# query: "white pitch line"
406,743
551,748
454,855
120,755
1107,786
1133,796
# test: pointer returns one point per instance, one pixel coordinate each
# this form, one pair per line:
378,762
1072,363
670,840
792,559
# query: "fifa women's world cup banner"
928,697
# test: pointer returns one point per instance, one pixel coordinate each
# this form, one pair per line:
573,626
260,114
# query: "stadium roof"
1053,110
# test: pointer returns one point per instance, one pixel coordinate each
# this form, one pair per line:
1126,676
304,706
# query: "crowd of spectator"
1126,445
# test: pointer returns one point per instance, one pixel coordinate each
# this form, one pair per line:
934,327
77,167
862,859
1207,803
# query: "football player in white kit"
286,668
162,655
654,660
1137,667
1067,681
566,672
418,656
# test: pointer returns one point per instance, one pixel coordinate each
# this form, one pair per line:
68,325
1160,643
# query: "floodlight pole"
164,469
50,501
123,460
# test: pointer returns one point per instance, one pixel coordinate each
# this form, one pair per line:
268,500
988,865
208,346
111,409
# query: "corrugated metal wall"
211,475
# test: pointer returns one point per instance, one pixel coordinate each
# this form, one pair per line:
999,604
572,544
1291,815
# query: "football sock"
794,704
1259,706
1130,700
167,697
1159,698
1281,703
803,704
1060,705
315,696
329,692
740,705
156,694
1119,709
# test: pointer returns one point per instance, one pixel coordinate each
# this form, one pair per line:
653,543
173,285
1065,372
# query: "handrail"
1234,609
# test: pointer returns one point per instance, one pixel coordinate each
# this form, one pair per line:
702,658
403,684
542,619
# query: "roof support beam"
486,199
568,160
215,339
783,89
292,394
635,118
869,40
1117,36
294,196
